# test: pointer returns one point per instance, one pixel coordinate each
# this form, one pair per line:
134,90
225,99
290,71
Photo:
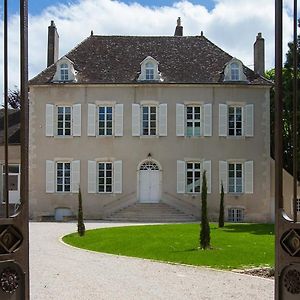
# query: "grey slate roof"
116,59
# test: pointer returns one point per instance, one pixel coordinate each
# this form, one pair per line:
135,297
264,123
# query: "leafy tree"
80,224
221,212
14,98
287,83
204,228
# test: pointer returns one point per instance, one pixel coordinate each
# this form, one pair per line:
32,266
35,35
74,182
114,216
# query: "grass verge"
234,246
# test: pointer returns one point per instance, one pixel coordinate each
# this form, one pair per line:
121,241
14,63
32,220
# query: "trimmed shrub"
221,212
80,224
204,228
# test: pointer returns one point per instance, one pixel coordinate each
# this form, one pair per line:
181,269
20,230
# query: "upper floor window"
105,120
64,115
149,121
235,120
64,72
63,120
149,71
105,116
193,120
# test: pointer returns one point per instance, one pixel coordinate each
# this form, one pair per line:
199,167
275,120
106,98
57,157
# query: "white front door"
149,186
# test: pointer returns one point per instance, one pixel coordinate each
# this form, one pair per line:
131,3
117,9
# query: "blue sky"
37,6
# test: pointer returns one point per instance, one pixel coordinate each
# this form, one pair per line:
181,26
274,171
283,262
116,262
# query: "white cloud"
231,25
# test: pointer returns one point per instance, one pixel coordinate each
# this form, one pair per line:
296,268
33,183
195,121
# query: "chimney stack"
53,44
179,28
259,55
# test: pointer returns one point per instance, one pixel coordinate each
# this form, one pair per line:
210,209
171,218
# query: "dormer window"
64,72
149,70
234,71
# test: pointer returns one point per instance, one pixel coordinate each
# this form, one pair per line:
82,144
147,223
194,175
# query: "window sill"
235,194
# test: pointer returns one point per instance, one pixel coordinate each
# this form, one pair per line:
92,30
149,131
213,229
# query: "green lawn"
234,246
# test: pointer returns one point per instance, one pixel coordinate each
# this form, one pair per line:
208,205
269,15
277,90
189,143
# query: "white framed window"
235,178
235,215
64,119
298,205
235,121
235,71
193,120
193,177
149,68
105,177
64,72
149,120
63,177
189,176
105,120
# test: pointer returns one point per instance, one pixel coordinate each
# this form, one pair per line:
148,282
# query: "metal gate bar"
14,229
287,237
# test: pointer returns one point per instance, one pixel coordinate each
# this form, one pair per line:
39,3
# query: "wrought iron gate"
14,237
287,252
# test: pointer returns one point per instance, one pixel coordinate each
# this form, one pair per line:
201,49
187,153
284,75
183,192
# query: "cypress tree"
221,213
80,224
205,230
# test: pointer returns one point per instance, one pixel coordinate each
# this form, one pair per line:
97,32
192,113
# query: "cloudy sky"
230,24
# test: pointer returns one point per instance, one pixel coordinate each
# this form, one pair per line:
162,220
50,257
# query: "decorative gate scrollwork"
14,236
287,244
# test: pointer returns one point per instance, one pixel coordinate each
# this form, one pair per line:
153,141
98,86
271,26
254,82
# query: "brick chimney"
53,44
179,28
259,55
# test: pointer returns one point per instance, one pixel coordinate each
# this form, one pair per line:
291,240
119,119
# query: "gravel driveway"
65,273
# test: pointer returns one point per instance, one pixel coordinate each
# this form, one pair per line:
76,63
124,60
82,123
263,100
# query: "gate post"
14,231
287,230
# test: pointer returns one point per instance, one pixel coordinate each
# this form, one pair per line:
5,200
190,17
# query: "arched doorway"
149,174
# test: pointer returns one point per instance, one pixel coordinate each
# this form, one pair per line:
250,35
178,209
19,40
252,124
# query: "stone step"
150,212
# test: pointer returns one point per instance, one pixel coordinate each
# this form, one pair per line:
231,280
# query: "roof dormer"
149,70
65,71
234,71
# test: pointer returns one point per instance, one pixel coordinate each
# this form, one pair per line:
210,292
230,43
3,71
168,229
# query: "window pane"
101,188
189,131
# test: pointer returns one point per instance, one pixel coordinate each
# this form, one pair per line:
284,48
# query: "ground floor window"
105,176
235,176
193,176
235,215
298,205
63,176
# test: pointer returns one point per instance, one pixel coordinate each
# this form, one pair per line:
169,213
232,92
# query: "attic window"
235,71
64,72
149,71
